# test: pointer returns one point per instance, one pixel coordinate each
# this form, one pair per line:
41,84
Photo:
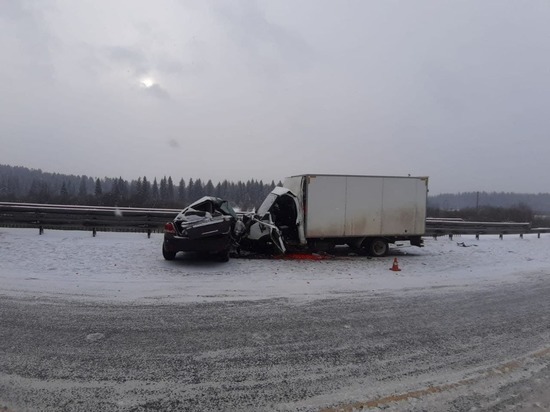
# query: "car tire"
168,254
223,256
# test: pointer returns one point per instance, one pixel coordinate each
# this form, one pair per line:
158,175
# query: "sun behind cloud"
147,82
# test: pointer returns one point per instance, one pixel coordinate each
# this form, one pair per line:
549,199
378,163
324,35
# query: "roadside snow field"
129,267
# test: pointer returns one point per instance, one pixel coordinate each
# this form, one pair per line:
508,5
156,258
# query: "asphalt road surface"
428,350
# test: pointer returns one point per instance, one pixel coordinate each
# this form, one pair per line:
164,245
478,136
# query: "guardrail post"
500,236
94,232
40,230
521,235
538,235
450,236
148,233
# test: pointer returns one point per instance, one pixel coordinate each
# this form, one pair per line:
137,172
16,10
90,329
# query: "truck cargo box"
344,206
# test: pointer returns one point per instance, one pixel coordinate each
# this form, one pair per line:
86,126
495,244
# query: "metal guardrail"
443,227
103,218
84,217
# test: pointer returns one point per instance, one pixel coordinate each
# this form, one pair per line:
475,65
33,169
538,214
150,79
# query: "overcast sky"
455,90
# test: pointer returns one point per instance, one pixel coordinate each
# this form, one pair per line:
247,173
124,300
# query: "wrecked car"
208,226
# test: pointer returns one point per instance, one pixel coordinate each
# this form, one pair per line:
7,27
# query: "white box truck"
365,212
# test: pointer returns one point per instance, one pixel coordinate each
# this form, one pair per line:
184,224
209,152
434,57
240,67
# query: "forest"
21,184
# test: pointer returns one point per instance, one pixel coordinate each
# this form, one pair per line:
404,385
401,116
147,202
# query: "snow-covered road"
105,323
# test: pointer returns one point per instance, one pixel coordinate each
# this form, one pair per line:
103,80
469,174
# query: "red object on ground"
395,266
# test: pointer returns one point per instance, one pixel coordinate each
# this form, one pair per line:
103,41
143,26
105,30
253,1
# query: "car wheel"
168,254
223,256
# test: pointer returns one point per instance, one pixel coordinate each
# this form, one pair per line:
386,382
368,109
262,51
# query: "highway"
433,349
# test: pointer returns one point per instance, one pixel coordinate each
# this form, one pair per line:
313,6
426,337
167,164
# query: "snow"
129,267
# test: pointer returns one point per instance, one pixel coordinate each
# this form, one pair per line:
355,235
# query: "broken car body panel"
262,235
206,225
281,209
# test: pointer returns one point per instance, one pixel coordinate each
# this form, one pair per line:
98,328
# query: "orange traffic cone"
395,266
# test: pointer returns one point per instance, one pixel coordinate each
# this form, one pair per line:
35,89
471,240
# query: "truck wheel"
168,255
377,247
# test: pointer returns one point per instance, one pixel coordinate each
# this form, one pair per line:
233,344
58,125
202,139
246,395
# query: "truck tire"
377,247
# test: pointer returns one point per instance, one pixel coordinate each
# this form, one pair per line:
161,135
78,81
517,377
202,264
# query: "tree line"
538,202
518,213
21,184
492,207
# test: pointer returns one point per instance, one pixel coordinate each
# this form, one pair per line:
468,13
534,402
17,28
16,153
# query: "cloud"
26,32
129,56
168,65
156,91
173,143
143,62
140,65
267,45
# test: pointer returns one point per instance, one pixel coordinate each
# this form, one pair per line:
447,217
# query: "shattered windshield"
226,208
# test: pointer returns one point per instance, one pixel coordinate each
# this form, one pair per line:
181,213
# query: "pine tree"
145,191
198,190
191,191
163,191
64,193
209,188
123,189
182,198
224,190
82,188
98,190
155,193
170,192
116,193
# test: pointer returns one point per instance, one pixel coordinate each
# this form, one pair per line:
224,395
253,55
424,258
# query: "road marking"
491,372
